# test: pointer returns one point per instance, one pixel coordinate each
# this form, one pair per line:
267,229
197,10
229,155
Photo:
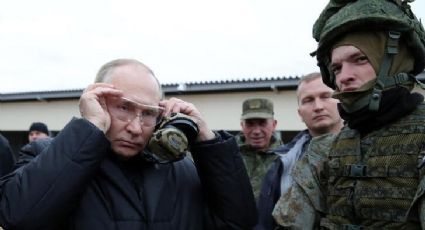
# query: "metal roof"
273,83
243,85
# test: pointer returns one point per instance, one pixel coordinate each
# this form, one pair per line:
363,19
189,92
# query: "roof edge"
244,85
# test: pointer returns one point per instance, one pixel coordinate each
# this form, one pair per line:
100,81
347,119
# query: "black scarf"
395,103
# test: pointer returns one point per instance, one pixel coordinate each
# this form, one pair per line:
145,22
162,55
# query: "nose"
256,128
134,126
318,104
345,76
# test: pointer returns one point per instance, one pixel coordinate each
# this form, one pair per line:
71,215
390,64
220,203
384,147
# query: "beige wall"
18,116
221,110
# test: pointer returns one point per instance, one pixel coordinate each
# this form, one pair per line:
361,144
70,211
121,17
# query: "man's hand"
175,105
93,104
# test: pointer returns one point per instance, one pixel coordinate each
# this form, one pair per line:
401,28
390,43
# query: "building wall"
221,110
18,116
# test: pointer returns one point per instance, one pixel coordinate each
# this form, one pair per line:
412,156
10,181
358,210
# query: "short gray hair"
104,71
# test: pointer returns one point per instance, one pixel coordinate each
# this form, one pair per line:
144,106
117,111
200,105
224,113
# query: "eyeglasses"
127,110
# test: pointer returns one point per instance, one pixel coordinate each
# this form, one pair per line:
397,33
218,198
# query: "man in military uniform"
257,138
370,51
303,203
318,110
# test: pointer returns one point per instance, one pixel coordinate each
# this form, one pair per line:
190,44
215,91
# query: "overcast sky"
56,45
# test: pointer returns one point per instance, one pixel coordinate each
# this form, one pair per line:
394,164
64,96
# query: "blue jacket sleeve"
46,189
225,184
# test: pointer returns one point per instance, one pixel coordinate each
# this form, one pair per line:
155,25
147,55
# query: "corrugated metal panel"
244,85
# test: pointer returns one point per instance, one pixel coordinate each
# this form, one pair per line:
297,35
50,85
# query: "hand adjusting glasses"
127,110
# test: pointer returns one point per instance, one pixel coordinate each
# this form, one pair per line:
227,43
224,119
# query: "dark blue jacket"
31,150
270,187
7,159
78,183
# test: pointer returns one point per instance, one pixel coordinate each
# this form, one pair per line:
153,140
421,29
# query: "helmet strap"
381,82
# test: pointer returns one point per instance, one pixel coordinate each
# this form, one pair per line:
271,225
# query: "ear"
299,114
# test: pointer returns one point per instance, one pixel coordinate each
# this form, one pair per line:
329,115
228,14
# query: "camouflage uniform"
257,162
375,181
272,182
374,175
303,204
371,182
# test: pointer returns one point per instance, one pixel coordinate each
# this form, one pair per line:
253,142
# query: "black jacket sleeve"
7,159
225,184
31,150
44,191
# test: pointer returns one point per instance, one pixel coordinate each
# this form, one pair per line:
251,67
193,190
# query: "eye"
150,113
336,69
262,123
123,107
326,96
362,59
249,123
306,100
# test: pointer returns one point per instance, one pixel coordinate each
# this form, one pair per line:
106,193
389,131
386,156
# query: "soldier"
257,138
318,110
303,203
370,51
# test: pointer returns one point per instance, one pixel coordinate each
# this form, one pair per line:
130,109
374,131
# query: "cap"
39,126
257,108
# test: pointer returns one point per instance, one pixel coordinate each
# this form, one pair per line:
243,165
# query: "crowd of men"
136,160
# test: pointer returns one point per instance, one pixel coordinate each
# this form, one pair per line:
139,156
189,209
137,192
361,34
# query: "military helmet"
342,16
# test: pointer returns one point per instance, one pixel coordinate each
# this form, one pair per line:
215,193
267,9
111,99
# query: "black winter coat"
78,183
31,150
7,158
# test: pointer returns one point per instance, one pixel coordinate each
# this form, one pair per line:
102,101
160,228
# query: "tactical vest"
373,179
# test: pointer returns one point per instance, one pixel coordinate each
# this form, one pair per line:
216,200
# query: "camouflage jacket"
387,192
304,203
376,180
271,185
257,162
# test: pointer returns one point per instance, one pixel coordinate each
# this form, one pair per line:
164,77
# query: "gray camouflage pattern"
304,203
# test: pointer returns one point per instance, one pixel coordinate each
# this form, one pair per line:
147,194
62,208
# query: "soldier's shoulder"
321,145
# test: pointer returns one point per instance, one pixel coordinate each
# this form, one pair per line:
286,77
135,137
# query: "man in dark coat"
94,174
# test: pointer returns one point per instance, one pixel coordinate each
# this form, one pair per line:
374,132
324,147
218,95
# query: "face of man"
36,135
351,67
258,132
316,107
129,137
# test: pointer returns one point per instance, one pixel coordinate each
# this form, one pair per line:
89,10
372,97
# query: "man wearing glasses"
94,175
